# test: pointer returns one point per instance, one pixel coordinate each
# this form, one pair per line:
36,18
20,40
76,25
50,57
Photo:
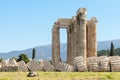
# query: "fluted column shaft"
69,57
82,22
91,35
55,45
93,40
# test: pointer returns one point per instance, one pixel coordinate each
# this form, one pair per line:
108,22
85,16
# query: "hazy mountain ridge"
44,52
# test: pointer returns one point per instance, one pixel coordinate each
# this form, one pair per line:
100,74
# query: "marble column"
93,39
74,39
77,39
88,36
82,22
69,57
55,45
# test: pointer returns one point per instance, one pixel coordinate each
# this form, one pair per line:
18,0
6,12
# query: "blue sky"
28,23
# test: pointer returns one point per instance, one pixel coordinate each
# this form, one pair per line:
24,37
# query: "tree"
112,51
23,57
33,53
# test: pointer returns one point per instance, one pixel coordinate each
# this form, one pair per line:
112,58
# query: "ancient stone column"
77,38
69,57
93,40
55,44
81,19
88,36
74,39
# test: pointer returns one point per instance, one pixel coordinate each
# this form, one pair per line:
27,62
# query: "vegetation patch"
61,76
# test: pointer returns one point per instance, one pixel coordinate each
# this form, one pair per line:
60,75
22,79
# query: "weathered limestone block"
80,64
3,63
9,66
22,66
64,23
63,67
12,65
93,64
12,62
115,63
104,63
47,66
34,65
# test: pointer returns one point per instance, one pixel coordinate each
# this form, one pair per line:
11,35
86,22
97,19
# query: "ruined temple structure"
81,37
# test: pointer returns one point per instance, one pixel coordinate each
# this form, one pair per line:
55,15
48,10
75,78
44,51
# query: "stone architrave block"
34,65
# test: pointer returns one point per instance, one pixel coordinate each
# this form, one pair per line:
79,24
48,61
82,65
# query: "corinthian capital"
82,13
94,20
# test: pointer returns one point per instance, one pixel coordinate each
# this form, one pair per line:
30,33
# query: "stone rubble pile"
94,64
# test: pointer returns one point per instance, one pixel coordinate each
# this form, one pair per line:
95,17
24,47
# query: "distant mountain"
106,44
44,52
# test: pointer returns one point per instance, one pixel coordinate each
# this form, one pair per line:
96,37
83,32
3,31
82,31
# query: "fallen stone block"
34,65
47,66
104,64
93,64
22,66
63,67
115,63
80,64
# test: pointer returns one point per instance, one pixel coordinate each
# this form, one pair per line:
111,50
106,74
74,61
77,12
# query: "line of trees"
25,58
111,52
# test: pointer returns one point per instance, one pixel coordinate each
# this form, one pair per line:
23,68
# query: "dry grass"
61,76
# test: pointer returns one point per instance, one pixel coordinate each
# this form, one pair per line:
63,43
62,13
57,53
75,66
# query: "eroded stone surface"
63,67
81,37
115,63
34,65
22,66
93,64
9,66
80,64
47,66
